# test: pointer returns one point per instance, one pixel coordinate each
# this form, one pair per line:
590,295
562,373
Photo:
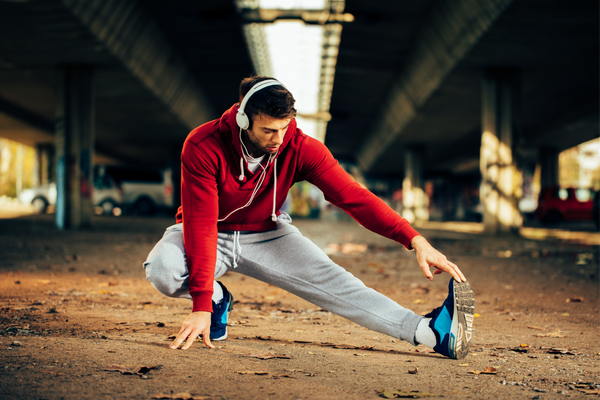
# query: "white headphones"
241,117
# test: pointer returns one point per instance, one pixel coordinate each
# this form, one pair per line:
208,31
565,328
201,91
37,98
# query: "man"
236,173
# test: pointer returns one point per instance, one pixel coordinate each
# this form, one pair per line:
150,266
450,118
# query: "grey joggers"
284,258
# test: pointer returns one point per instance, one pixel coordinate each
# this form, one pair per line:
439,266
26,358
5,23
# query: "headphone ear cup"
242,120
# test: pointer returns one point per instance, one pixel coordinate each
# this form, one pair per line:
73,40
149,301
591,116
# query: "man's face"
266,134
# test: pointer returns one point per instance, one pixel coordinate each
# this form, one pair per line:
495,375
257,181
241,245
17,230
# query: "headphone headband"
241,117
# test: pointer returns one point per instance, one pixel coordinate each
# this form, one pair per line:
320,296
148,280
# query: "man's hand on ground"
428,257
195,324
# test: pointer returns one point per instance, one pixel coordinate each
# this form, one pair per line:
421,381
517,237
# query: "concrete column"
414,201
500,177
548,161
74,147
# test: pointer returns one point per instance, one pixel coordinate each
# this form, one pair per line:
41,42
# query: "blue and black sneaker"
220,315
452,323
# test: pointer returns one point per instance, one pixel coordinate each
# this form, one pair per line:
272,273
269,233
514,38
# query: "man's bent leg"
166,269
292,262
166,266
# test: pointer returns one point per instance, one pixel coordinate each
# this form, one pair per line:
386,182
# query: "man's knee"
168,275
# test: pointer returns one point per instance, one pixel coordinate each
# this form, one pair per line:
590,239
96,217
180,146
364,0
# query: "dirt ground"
78,320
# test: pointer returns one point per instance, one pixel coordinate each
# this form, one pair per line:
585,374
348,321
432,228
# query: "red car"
565,204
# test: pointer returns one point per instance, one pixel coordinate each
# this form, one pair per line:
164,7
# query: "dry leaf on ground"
180,396
284,376
132,369
575,299
264,337
398,394
556,334
346,346
553,350
590,391
521,349
253,372
487,371
424,350
267,356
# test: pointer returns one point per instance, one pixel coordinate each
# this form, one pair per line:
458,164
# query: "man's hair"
275,101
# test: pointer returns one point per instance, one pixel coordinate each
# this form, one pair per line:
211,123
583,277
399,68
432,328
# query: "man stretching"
236,173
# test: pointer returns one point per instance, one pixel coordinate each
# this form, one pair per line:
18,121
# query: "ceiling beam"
131,35
449,33
26,116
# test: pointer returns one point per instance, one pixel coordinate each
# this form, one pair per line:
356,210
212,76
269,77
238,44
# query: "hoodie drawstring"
273,215
241,177
259,184
237,248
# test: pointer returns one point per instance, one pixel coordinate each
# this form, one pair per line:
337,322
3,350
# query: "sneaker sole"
462,323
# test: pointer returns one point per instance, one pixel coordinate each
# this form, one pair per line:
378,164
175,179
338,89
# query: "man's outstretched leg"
286,259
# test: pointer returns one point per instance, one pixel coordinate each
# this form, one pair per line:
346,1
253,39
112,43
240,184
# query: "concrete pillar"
74,142
414,201
500,178
548,161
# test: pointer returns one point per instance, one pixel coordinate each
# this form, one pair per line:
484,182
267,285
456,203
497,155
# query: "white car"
145,190
106,195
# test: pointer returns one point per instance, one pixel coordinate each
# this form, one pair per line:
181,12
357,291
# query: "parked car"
106,196
144,190
565,204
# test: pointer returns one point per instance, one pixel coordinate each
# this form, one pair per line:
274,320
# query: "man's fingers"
183,333
464,279
190,340
206,338
426,271
456,272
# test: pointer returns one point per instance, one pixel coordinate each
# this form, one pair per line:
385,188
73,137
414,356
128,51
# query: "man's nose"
278,137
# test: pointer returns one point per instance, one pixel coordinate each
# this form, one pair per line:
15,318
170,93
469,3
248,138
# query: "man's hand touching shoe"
428,257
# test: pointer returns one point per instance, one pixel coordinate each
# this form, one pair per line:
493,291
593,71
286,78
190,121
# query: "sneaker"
220,315
452,323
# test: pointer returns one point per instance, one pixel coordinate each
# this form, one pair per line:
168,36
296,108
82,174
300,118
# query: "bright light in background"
295,52
292,4
302,56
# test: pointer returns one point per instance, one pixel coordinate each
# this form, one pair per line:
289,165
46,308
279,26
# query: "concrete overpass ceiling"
555,46
135,121
373,48
208,36
554,43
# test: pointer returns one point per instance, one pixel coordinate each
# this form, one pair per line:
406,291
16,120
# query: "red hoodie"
211,190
